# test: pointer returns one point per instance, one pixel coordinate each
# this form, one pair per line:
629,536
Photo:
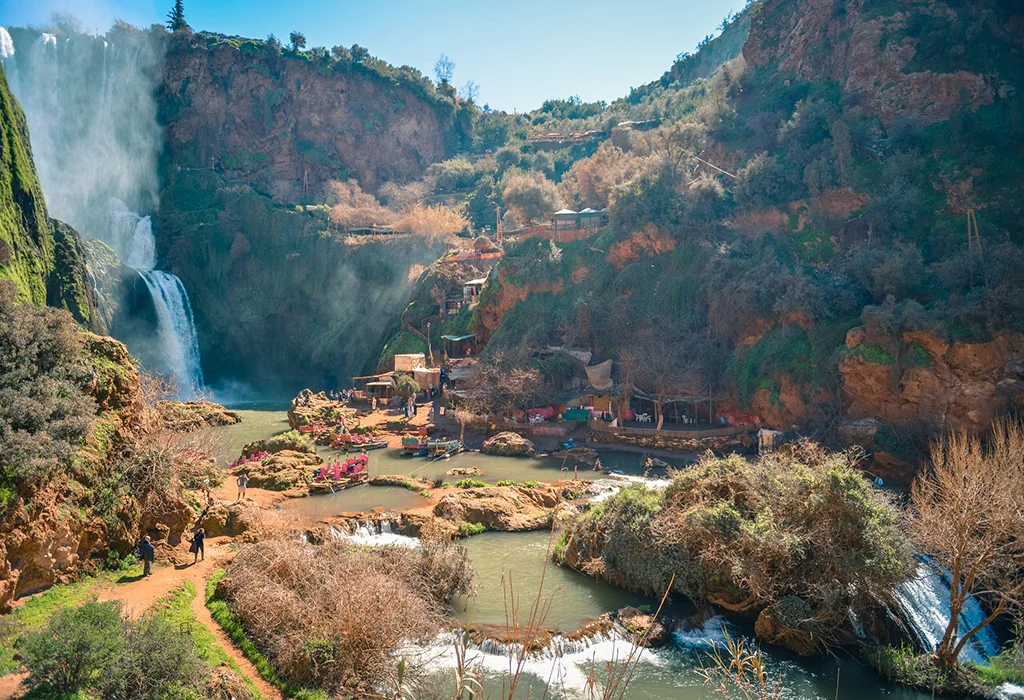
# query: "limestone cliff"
42,256
898,58
290,122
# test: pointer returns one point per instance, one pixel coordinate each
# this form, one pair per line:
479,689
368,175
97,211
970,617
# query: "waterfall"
92,115
925,603
176,328
375,533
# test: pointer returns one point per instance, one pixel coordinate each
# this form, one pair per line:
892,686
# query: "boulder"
788,623
464,471
508,444
230,519
637,622
283,471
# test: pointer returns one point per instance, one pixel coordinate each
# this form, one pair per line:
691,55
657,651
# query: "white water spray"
925,603
92,116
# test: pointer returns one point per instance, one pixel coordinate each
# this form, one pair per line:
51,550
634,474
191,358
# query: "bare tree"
502,386
444,70
661,366
968,513
469,92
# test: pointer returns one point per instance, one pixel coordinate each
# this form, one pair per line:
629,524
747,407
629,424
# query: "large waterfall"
92,116
925,603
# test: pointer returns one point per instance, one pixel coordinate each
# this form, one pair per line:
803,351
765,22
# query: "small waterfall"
925,604
6,44
375,533
176,329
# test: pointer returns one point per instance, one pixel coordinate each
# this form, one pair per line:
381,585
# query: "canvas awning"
458,338
600,376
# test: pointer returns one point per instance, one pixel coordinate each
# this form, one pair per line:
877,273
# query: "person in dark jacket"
148,554
198,546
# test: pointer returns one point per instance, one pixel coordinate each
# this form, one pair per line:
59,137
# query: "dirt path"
139,594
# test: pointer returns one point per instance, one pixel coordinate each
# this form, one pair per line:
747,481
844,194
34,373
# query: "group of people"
343,395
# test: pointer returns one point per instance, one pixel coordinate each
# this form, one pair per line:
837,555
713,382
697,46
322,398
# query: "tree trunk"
660,410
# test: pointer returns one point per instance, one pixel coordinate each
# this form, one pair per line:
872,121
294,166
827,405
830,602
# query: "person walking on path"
206,486
243,485
198,545
148,555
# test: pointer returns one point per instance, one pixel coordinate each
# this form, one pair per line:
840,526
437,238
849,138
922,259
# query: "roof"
482,280
457,338
565,212
588,210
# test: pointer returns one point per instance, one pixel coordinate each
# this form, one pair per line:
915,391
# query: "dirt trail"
140,594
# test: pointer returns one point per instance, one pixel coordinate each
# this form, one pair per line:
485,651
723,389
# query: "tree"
406,386
444,70
176,17
359,54
298,40
340,53
967,512
528,196
658,366
469,92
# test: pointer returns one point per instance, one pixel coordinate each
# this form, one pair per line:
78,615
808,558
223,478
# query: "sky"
519,52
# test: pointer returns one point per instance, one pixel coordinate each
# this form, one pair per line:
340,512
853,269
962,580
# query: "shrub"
507,482
73,651
799,523
470,529
469,484
292,440
44,415
380,600
530,484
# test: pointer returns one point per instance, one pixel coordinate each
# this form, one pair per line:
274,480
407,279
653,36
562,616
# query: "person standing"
198,545
148,555
206,487
243,485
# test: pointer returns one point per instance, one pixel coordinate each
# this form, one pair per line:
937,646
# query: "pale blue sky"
519,52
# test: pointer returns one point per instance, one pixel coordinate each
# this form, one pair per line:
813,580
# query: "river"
509,567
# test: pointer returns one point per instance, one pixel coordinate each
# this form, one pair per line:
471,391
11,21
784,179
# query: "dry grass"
335,616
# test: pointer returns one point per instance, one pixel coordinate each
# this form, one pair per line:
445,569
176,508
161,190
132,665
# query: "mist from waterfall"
92,116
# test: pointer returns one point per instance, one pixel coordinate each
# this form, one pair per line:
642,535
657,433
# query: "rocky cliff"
42,256
289,122
896,58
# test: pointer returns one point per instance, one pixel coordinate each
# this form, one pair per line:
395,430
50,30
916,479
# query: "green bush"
470,529
507,482
76,649
530,484
469,484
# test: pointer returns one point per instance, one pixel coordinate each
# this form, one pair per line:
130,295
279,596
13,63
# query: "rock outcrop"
508,444
508,508
187,416
869,52
643,626
310,408
283,471
925,380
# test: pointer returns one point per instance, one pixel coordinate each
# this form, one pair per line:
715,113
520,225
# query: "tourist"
148,554
243,485
198,547
206,486
373,404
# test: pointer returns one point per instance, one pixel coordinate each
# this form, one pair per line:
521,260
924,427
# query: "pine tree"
176,17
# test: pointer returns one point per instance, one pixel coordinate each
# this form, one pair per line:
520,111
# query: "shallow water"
504,561
518,559
358,499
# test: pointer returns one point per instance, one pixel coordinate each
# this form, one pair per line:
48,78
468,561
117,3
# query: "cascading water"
925,604
90,106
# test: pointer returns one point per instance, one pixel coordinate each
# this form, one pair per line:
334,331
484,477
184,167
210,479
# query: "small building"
459,345
565,219
407,363
471,289
593,218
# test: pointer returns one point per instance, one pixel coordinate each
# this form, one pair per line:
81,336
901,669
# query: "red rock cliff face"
959,385
862,49
290,125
